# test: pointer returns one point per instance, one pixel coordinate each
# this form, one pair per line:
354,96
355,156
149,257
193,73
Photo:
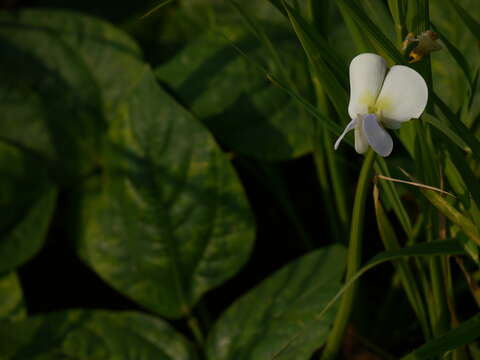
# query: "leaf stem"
194,326
353,258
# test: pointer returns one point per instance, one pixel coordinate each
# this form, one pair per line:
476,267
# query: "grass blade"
472,24
466,333
156,8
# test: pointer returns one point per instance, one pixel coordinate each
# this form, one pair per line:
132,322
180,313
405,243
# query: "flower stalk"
335,338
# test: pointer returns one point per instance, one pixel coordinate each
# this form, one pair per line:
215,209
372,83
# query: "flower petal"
378,138
403,96
367,72
350,126
361,143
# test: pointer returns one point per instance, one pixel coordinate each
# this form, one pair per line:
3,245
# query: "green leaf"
378,12
168,219
457,56
109,57
472,24
452,214
12,306
446,129
390,241
393,197
27,203
87,335
463,181
328,68
356,12
467,332
458,127
50,102
242,108
278,318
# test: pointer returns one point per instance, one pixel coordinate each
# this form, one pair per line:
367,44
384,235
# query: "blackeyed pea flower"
381,99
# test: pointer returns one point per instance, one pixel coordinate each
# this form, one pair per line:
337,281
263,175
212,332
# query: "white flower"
381,100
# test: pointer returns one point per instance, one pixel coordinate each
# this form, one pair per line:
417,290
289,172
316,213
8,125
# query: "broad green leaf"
27,203
193,18
467,332
111,60
49,100
278,318
87,335
242,108
12,306
168,218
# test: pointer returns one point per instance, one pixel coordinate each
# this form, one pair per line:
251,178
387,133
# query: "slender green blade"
356,12
452,214
334,83
457,56
156,8
472,24
467,332
446,130
437,248
393,197
390,241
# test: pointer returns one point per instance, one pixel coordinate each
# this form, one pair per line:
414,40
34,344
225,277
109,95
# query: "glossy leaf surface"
168,219
278,318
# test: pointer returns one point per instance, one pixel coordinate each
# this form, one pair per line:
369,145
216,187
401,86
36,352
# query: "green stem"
192,323
337,182
390,241
335,338
440,323
327,198
326,163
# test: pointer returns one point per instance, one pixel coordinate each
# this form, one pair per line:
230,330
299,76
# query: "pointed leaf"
168,220
277,319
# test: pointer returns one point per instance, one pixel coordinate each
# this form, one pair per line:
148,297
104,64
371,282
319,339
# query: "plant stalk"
335,338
